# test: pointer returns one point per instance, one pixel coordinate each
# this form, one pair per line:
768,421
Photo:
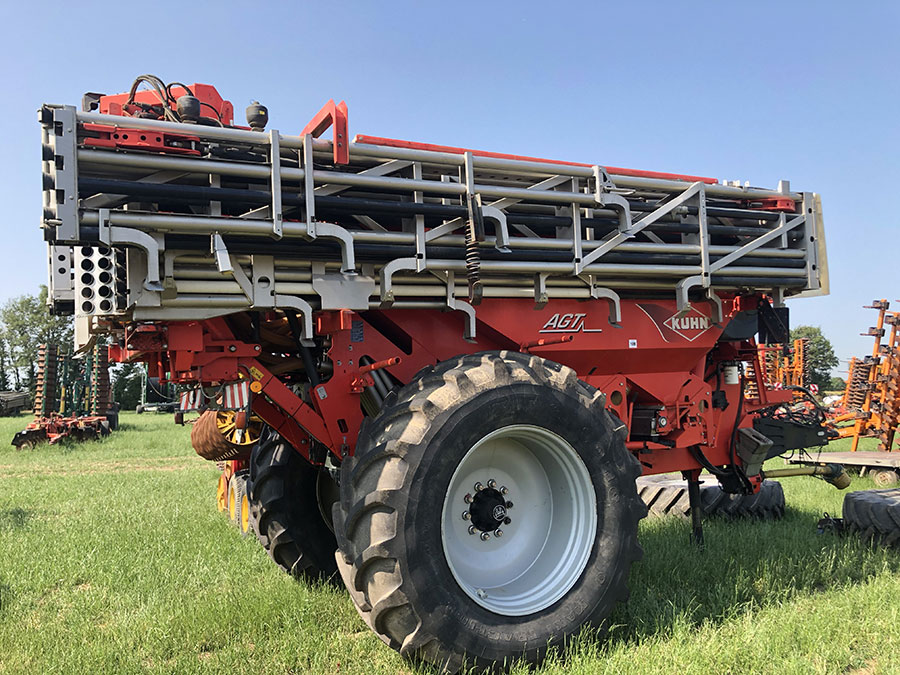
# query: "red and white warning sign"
236,396
190,400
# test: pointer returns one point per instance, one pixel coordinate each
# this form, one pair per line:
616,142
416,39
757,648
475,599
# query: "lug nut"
492,483
467,499
498,533
503,490
471,529
466,515
507,520
485,536
509,505
479,487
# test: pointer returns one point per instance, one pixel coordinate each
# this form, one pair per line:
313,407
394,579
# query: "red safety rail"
430,147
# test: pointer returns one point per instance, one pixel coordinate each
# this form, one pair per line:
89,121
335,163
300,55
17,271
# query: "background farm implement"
72,398
870,405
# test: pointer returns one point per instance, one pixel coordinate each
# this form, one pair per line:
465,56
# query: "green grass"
113,558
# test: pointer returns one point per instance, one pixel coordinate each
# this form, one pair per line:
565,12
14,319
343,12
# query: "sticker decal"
567,323
671,326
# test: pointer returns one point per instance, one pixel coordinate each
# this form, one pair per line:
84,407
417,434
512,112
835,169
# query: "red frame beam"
332,114
430,147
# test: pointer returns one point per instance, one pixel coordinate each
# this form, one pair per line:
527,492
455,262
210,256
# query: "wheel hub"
488,509
517,561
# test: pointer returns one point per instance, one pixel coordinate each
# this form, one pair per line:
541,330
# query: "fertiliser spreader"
463,359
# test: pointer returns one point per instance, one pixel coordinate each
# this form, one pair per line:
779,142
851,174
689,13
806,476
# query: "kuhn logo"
567,323
688,327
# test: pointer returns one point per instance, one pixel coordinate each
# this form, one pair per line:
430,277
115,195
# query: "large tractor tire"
489,512
668,496
288,500
874,515
217,437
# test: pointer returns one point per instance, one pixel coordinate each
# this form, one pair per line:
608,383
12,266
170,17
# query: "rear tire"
667,496
285,513
436,592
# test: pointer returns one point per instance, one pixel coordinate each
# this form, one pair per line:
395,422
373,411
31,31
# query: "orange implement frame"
870,405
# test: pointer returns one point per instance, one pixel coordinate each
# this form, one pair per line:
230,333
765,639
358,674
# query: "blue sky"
756,91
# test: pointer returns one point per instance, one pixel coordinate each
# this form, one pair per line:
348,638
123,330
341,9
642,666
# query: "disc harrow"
72,398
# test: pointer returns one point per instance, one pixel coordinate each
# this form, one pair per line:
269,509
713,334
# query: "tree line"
26,324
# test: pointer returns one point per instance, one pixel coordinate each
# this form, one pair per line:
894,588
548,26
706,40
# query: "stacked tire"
666,495
874,515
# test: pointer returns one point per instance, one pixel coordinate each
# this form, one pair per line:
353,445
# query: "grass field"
113,558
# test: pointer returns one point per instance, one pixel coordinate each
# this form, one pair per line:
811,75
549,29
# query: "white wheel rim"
544,549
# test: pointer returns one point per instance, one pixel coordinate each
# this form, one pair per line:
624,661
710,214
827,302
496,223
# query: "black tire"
668,496
284,509
874,515
389,520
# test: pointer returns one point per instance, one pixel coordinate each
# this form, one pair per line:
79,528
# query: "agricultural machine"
782,366
433,370
72,398
156,397
870,404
